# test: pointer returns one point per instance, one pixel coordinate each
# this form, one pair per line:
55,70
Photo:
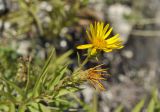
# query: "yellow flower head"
94,76
98,35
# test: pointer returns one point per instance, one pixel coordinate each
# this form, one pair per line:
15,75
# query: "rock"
23,47
88,93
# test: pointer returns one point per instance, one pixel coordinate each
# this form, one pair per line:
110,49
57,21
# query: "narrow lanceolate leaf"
12,107
151,106
139,106
33,107
43,108
65,91
59,62
58,78
42,75
9,96
79,59
63,57
155,95
4,106
7,106
119,109
19,90
37,107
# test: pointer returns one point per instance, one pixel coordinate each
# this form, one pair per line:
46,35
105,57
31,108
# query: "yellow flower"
94,76
97,36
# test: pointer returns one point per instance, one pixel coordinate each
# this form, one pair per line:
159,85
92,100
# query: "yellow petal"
113,39
107,34
120,47
93,51
105,30
92,30
85,46
100,29
89,36
107,50
97,30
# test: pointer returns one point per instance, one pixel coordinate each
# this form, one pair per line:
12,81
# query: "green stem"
28,76
82,64
85,61
95,102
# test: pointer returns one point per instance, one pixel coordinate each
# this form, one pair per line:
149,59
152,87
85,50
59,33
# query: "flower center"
99,43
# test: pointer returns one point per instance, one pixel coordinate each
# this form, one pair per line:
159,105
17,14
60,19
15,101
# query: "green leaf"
33,107
42,75
19,90
59,62
44,108
139,106
58,78
119,108
151,106
157,106
12,107
8,96
22,108
4,107
65,91
38,107
79,59
155,95
64,101
63,57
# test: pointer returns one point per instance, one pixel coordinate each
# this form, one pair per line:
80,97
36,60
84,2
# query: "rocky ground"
134,69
